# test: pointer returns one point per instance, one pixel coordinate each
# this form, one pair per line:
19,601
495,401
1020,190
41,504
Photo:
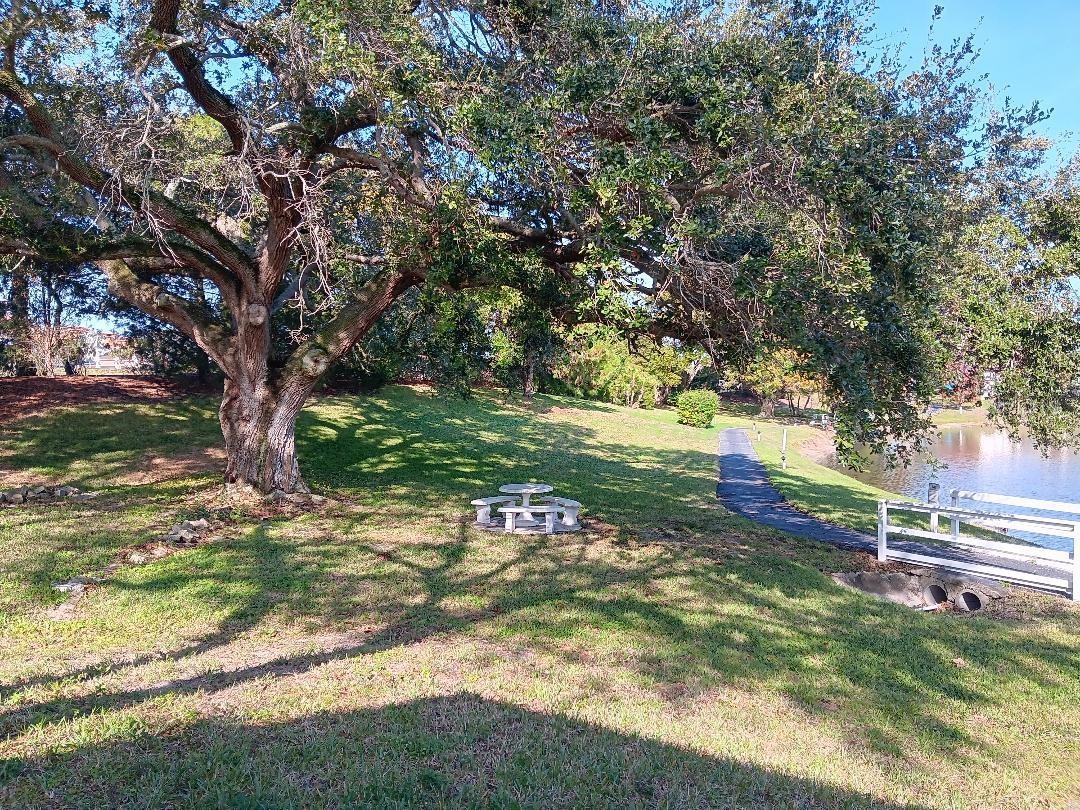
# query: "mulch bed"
27,396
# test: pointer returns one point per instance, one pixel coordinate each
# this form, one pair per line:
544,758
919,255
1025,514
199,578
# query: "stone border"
41,493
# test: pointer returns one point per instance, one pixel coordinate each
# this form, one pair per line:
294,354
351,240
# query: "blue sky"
1028,48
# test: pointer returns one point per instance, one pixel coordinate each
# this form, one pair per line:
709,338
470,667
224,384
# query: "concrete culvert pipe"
934,594
968,600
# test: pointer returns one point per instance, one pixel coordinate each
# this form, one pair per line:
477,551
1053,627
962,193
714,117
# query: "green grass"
970,415
384,653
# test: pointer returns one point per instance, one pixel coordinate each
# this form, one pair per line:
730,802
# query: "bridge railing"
998,559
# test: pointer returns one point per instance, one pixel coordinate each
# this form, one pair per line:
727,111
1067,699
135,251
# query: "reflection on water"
985,460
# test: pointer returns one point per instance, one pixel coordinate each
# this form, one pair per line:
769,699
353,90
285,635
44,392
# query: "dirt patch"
818,448
29,396
558,410
155,468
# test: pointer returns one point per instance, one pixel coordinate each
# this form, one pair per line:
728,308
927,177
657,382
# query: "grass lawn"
969,415
381,652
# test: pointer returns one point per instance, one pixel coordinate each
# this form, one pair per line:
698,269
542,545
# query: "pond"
983,459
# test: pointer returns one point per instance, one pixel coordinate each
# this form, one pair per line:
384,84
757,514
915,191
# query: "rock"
200,525
65,492
76,584
85,496
182,534
37,492
15,496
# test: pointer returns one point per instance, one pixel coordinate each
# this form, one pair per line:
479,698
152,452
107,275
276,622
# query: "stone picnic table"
526,491
559,514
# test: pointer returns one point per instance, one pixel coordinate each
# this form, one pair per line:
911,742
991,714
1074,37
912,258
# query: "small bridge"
744,488
1024,564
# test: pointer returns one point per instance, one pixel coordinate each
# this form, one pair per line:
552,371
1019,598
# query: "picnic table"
526,491
559,514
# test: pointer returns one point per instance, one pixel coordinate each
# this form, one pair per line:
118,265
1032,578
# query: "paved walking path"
744,488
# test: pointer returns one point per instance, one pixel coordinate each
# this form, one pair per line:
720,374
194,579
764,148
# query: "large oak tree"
736,178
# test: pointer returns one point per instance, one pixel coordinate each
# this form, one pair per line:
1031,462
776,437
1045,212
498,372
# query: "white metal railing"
998,554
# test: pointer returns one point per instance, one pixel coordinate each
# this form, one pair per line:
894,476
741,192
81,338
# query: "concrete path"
744,488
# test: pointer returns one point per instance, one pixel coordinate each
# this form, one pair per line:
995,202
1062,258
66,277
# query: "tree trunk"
202,366
259,426
768,406
259,406
530,378
20,315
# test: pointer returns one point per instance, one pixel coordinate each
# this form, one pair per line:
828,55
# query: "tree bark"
259,427
260,405
202,366
529,386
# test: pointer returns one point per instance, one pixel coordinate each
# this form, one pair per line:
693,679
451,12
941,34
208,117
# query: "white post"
1076,563
882,522
783,451
955,501
933,498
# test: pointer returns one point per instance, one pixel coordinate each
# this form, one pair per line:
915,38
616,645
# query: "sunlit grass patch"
381,651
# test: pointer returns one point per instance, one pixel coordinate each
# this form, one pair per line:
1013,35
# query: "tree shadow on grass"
460,750
702,613
436,452
713,601
92,446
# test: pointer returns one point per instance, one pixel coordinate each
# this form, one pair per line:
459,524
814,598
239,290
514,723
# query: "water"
982,459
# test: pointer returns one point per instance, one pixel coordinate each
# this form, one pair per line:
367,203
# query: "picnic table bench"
551,513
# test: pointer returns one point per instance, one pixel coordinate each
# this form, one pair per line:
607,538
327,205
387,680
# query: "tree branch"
49,140
311,359
163,21
157,303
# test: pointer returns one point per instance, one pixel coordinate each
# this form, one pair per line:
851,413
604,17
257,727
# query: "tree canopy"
740,177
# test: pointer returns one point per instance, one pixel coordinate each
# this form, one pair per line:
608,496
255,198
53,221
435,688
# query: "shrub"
697,407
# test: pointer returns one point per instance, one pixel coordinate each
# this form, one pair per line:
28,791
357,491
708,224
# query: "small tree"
774,375
49,347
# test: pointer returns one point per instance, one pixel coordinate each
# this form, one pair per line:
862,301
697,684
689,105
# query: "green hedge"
697,407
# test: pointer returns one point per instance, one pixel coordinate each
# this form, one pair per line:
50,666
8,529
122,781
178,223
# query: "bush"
697,407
